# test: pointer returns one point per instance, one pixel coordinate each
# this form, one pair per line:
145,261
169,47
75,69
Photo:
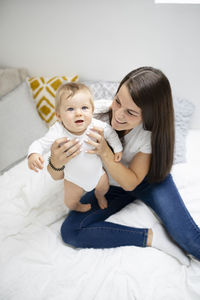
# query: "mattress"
35,264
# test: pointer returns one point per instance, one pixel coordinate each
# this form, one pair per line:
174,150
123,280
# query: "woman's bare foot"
150,237
163,242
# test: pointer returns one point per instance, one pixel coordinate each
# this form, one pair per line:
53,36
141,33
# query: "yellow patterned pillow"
43,90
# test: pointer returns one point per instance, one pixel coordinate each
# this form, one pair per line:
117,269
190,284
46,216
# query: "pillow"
10,78
20,125
43,91
183,110
102,89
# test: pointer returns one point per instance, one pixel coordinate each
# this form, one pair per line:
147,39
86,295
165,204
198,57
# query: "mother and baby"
133,137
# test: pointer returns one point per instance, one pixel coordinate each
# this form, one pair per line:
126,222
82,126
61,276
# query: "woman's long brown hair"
151,91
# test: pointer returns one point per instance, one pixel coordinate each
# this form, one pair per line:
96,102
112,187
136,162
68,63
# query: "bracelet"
54,168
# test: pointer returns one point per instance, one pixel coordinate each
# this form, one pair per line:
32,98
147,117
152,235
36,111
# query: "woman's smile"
126,115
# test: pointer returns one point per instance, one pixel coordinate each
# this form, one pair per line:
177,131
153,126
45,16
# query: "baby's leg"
100,191
72,196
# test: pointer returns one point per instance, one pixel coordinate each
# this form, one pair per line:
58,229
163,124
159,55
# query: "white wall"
104,39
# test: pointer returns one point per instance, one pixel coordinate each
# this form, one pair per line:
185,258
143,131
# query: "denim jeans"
90,230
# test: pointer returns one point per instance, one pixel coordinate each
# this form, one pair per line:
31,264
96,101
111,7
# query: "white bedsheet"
36,265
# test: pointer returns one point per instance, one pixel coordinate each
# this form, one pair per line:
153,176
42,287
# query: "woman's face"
126,115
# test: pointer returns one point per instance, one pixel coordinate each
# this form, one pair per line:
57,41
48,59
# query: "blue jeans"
90,230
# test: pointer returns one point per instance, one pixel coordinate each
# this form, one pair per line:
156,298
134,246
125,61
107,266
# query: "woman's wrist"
107,154
55,166
54,174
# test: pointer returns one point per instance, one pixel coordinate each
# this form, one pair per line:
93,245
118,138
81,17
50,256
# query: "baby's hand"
35,162
118,156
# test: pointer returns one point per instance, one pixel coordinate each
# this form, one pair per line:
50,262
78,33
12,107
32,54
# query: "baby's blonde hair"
68,90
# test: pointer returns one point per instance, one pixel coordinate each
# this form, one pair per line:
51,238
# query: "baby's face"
76,113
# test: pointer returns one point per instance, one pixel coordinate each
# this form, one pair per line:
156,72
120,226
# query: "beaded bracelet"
54,168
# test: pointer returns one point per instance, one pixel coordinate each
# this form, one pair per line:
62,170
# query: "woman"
142,114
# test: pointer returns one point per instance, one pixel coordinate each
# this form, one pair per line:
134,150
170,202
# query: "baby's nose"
78,111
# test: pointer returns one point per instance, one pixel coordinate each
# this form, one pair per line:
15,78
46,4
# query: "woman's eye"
117,101
70,109
84,107
131,113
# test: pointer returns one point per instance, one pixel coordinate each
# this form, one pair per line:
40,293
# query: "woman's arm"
56,175
127,177
62,151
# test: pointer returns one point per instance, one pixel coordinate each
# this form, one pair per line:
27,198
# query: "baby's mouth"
79,121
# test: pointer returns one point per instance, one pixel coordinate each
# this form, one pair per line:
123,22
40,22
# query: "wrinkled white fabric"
36,264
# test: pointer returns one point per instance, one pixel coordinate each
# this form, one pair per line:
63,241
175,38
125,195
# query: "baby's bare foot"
102,201
82,207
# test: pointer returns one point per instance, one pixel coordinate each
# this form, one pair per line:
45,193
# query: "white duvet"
36,265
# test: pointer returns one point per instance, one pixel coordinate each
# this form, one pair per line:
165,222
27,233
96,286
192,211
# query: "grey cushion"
10,78
183,110
102,89
183,113
20,124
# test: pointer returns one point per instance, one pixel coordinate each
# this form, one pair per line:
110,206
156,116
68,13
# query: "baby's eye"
84,107
70,109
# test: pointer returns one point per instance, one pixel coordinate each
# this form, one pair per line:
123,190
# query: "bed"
36,264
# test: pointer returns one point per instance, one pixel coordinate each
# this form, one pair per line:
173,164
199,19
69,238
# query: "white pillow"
20,124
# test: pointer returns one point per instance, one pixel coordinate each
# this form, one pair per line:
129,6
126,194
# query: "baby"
74,110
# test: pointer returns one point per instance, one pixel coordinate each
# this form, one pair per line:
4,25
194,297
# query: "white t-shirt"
137,140
85,169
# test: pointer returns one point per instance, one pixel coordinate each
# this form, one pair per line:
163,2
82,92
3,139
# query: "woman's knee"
68,233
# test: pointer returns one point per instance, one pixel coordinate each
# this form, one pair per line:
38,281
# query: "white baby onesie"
85,169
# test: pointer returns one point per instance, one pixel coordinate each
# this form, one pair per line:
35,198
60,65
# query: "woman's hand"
98,141
63,150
